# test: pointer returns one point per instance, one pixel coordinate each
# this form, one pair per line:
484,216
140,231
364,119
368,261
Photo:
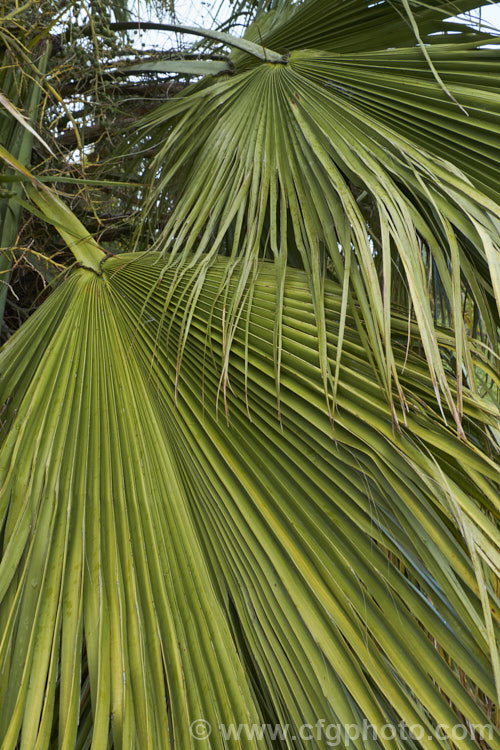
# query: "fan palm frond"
363,162
356,26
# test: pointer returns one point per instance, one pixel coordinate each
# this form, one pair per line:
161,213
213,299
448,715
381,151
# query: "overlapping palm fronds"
232,488
166,561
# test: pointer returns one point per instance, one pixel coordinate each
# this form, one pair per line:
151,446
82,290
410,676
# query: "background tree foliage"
250,419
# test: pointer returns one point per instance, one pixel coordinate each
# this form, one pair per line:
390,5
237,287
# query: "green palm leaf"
360,25
359,158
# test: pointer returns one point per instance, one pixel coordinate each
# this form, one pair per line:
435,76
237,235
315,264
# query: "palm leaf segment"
379,164
161,565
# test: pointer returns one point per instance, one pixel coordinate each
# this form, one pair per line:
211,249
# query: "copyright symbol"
200,729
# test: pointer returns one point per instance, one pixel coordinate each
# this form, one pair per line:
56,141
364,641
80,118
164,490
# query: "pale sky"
490,14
